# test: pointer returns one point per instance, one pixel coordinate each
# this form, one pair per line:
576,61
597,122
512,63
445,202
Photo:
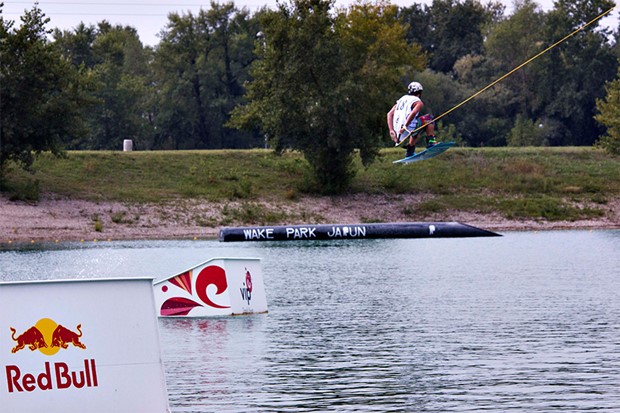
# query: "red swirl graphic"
211,275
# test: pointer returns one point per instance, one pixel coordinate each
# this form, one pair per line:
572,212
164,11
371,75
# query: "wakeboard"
435,150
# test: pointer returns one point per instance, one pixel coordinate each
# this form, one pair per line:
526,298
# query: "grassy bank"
546,183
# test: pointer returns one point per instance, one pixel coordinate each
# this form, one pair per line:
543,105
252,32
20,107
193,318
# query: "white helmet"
414,87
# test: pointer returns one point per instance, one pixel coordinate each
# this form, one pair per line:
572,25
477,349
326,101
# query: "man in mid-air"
403,120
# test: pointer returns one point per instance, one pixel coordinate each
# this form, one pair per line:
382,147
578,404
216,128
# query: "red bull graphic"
62,337
49,337
82,345
31,338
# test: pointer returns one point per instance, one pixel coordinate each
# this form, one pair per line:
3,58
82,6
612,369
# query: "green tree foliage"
450,29
40,93
325,80
556,90
572,76
453,34
77,45
485,120
420,31
200,67
525,133
609,116
122,80
322,84
375,59
118,66
522,31
488,119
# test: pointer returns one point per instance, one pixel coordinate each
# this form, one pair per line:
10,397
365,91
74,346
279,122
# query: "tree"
491,118
417,20
572,75
77,45
523,32
324,81
525,133
450,29
122,77
41,92
557,90
118,67
200,66
609,116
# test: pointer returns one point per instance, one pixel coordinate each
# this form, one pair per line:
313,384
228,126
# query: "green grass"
541,183
164,175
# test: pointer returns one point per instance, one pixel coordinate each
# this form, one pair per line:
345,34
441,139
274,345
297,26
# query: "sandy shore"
51,219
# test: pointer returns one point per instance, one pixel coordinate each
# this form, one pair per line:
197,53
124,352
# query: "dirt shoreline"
54,220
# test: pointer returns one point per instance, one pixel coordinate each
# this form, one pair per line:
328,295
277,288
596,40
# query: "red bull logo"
49,338
62,337
32,338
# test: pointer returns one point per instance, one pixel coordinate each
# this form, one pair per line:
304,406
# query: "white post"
127,145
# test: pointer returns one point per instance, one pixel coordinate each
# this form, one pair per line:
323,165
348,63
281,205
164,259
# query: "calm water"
527,322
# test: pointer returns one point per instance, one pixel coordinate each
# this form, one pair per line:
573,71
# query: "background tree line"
308,76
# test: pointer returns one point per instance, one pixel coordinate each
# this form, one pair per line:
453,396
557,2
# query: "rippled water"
527,322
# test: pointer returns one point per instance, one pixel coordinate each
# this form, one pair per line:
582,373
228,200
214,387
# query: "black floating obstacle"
354,231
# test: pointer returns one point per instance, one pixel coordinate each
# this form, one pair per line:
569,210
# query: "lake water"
527,322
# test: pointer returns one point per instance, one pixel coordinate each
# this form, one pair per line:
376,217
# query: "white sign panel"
80,346
220,286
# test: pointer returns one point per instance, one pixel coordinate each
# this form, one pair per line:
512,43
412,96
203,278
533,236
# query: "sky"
149,17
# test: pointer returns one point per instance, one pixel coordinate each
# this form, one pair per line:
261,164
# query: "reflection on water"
223,351
527,322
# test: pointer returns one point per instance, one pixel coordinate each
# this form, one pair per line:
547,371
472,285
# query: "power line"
64,3
48,9
102,14
47,5
98,14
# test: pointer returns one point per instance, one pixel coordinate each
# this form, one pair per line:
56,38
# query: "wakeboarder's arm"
415,109
390,122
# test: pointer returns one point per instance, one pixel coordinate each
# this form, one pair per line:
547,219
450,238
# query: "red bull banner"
80,346
217,287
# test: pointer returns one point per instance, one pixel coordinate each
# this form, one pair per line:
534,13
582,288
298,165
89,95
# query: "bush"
609,116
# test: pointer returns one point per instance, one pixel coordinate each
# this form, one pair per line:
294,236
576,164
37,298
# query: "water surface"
527,322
